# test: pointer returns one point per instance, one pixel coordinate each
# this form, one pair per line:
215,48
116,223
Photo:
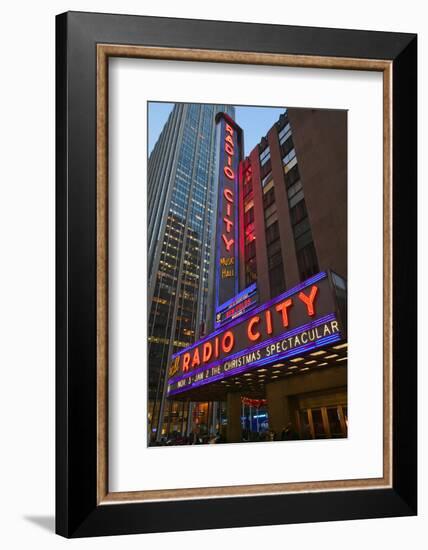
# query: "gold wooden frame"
104,52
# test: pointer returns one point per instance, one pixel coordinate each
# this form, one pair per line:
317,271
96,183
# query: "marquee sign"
301,319
240,304
227,211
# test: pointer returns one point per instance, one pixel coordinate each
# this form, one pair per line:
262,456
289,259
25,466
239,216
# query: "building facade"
294,204
182,195
294,199
280,340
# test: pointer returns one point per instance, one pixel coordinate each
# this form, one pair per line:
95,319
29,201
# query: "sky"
255,121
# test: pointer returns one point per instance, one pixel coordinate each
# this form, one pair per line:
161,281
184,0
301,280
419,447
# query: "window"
307,261
284,134
294,189
250,271
303,239
292,176
275,265
339,282
298,212
264,156
249,217
272,233
276,275
250,262
248,187
269,198
270,210
265,169
298,197
250,250
270,184
273,251
305,249
287,160
271,216
266,179
287,146
301,228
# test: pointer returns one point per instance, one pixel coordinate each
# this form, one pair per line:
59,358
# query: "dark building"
284,342
182,195
294,197
294,200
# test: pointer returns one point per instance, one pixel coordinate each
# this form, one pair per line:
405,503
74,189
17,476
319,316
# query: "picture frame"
84,44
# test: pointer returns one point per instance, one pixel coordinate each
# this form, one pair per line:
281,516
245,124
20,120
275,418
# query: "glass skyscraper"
182,195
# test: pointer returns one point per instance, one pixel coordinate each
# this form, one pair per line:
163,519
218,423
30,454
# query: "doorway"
323,422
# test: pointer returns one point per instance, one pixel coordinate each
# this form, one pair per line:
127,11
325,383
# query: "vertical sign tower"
227,253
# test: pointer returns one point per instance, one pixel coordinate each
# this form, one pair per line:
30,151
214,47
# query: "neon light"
236,234
246,332
288,334
227,242
259,309
313,345
309,300
196,360
229,173
227,342
228,195
244,301
268,316
236,298
283,309
186,361
253,336
227,280
241,255
207,351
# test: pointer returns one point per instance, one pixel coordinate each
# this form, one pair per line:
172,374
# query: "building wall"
320,139
298,175
285,397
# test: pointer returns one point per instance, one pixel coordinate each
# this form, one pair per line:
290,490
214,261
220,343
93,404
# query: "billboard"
298,320
240,304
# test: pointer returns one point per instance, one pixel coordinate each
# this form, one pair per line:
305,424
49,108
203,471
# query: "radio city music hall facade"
275,333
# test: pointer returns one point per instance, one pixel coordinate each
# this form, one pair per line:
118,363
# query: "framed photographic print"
236,274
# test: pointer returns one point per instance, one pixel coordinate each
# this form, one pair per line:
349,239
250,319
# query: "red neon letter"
186,359
227,341
229,224
253,336
229,172
282,307
228,195
309,300
268,316
229,149
196,360
227,243
229,129
207,351
229,139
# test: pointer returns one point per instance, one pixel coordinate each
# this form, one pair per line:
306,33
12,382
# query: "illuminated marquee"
298,320
237,306
227,226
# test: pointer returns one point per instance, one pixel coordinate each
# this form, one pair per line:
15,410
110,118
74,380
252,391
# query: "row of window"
304,246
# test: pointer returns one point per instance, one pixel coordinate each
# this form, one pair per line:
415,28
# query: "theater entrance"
322,417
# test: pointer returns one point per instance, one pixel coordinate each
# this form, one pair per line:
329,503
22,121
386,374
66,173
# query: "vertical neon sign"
227,269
